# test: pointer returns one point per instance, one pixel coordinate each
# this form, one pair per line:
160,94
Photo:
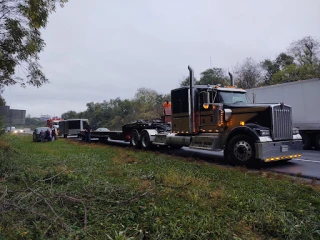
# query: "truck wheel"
306,141
145,141
134,140
241,151
317,142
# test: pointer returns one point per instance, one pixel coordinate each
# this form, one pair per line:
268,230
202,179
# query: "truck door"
206,100
209,111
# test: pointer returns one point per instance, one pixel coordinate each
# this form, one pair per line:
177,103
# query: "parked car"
16,131
102,129
36,133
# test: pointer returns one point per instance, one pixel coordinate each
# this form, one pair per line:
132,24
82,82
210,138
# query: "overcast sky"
101,49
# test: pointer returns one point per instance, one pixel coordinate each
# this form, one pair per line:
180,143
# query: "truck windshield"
233,97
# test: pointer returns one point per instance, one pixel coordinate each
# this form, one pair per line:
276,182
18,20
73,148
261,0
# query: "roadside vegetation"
71,190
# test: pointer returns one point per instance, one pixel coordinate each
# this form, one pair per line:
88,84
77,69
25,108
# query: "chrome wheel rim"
144,141
242,151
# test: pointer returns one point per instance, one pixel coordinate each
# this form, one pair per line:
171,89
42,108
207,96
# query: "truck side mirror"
227,114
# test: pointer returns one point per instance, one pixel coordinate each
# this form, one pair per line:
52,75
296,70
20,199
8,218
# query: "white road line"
305,160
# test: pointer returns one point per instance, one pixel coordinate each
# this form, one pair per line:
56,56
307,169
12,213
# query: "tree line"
301,61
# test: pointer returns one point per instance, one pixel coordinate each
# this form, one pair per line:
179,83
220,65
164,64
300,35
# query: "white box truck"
304,98
72,127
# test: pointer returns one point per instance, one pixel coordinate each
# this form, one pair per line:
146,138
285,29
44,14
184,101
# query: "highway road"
308,165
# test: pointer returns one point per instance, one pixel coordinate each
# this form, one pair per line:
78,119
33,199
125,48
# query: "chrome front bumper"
282,150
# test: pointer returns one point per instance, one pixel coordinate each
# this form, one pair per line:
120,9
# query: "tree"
210,76
213,76
186,81
33,122
295,72
284,60
70,115
147,103
272,67
248,74
2,101
305,51
20,39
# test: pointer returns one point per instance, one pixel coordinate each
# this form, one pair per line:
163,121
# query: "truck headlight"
263,132
295,131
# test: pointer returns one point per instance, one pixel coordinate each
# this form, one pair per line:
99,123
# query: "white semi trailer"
304,98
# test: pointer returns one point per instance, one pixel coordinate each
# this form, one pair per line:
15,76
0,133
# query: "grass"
70,190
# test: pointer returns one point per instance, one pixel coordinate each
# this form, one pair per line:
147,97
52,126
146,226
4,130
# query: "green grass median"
72,190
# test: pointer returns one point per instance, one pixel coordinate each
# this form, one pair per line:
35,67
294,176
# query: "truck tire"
306,141
317,142
145,141
134,139
241,151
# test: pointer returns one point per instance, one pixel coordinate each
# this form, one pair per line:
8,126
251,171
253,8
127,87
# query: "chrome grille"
281,122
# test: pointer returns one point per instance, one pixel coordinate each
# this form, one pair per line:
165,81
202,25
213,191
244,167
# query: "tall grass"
66,189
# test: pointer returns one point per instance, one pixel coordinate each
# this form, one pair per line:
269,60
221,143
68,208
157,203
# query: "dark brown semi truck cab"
211,117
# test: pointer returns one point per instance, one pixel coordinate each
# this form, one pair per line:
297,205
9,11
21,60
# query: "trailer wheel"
240,151
134,139
145,141
306,141
317,142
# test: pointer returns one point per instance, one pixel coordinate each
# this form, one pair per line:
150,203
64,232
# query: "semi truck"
72,127
303,96
216,118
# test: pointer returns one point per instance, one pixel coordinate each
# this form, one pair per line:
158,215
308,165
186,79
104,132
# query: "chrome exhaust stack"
192,128
231,79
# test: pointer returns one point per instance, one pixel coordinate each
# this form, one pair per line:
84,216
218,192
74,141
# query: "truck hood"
248,107
252,113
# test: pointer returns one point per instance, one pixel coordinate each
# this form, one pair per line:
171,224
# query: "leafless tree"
306,51
248,74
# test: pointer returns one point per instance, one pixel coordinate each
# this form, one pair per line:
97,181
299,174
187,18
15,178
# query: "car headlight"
295,131
263,132
15,131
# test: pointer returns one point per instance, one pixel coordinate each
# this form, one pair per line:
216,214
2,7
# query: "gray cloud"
100,50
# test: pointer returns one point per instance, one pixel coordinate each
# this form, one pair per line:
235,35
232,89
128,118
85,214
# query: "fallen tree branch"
85,221
50,178
51,208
